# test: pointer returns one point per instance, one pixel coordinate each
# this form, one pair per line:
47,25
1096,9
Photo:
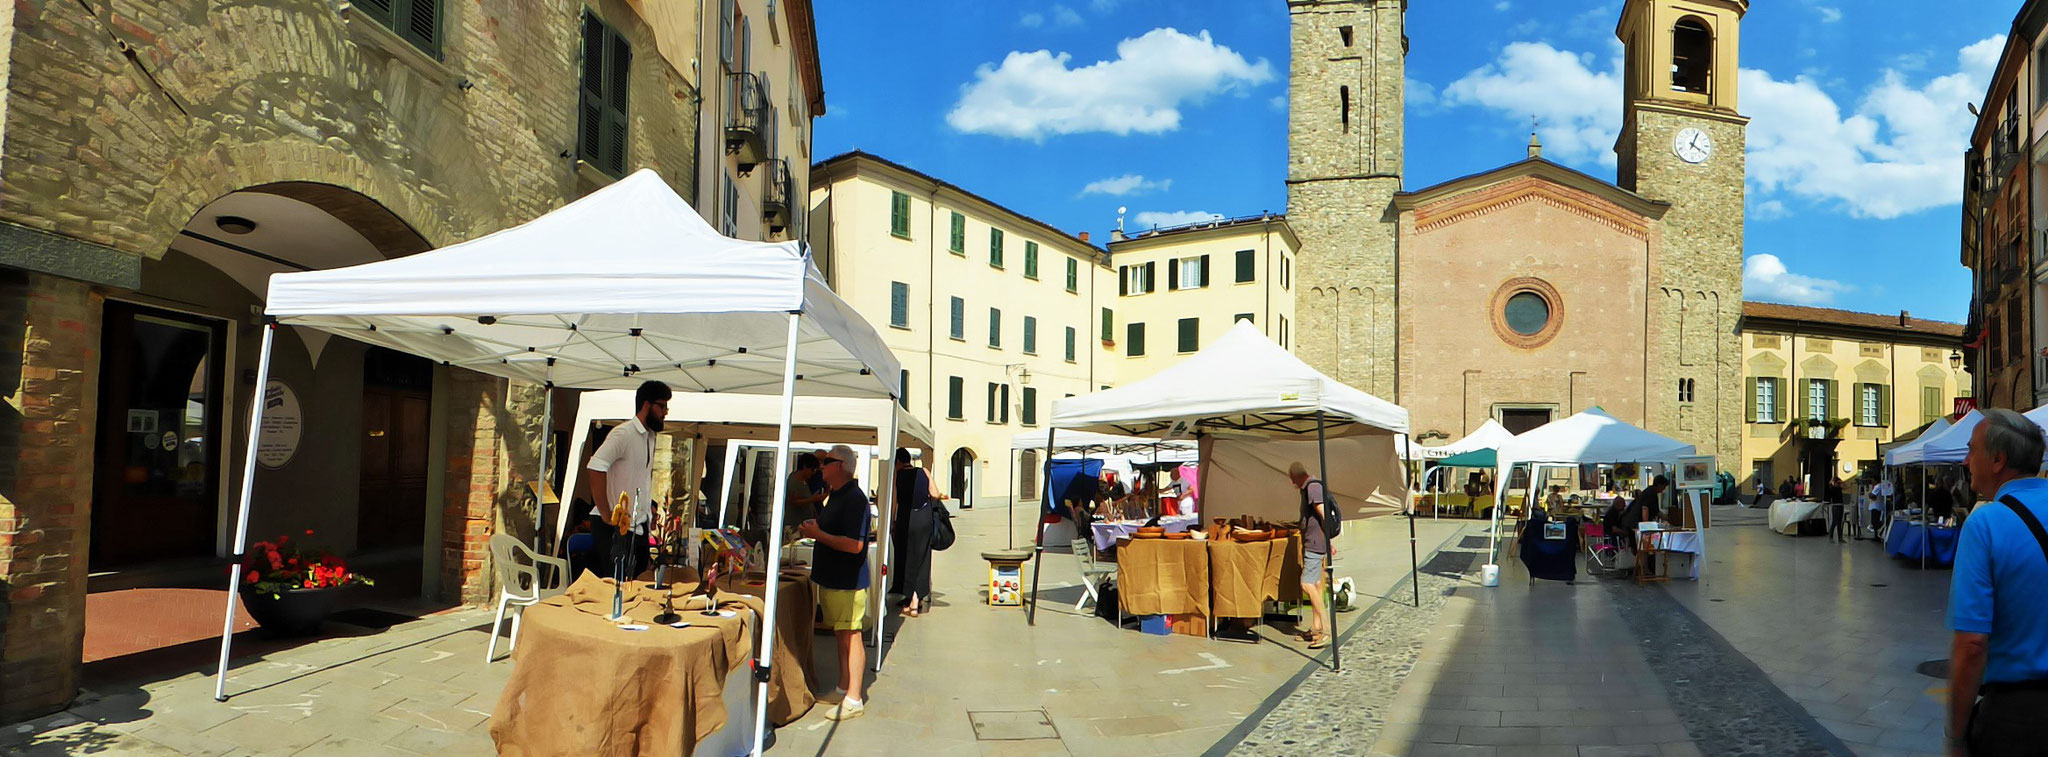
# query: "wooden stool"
1647,556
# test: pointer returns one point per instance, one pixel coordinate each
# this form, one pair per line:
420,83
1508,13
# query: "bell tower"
1344,121
1682,142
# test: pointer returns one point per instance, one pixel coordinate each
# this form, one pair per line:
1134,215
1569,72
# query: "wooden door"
391,509
156,487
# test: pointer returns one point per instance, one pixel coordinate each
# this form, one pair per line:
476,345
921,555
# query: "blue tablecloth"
1908,540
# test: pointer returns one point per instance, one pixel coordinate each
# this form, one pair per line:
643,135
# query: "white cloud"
1418,93
1127,184
1031,20
1503,5
1033,95
1828,15
1578,109
1279,102
1161,219
1768,210
1105,6
1899,152
1065,16
1765,277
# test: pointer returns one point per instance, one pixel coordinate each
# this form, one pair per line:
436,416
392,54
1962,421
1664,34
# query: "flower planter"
297,612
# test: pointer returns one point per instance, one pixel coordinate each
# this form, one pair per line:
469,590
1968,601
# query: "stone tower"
1682,142
1343,168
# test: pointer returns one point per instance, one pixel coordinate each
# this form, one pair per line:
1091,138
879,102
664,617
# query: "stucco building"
1532,291
2004,220
1827,388
159,160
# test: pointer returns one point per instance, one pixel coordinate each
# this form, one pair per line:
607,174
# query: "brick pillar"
493,449
46,451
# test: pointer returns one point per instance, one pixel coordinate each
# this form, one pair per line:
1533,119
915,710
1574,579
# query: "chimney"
1117,235
1905,319
1084,236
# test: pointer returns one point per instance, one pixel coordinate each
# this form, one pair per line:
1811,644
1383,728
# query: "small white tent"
1945,448
1489,435
1893,456
1591,436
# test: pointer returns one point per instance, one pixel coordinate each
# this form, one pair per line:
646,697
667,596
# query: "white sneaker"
847,709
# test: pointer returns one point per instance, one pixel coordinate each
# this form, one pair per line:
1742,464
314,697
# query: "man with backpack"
1316,514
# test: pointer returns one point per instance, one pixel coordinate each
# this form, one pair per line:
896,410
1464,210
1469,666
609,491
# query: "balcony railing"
2006,145
746,119
775,196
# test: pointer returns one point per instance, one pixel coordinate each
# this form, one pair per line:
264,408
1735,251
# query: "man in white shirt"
624,464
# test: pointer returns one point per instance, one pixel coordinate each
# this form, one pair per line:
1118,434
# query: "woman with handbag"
916,499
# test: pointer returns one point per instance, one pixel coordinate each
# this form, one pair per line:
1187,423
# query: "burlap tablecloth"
581,685
1242,576
1163,577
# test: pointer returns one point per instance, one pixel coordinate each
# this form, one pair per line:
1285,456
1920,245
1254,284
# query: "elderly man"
840,569
624,466
1998,669
1315,553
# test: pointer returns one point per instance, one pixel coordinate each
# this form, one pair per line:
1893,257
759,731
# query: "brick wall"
45,487
493,449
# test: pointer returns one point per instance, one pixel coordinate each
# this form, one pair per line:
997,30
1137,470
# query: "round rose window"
1527,313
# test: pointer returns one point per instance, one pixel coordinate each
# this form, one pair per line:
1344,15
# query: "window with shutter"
1031,260
903,394
1134,339
1286,273
1149,278
1190,334
1247,266
955,389
601,129
1203,281
959,311
1283,332
1751,384
899,304
995,327
993,403
995,247
1028,411
899,215
957,244
1071,338
1108,326
416,21
1004,416
726,10
1073,275
1869,404
1123,283
1030,335
1173,277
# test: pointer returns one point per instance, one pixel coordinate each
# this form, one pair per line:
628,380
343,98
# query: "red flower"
309,532
275,562
254,576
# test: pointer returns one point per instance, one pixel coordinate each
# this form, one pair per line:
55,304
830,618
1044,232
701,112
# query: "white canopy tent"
1489,435
625,285
1240,385
1891,457
825,420
1591,436
1118,452
1945,448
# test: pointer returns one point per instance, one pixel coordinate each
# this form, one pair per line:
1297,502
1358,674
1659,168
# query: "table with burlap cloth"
582,685
1163,577
1243,575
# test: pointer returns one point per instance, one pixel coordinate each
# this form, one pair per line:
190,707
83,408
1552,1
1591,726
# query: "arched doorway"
965,487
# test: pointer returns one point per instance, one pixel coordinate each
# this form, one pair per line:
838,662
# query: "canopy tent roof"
1592,436
837,420
1934,429
624,285
1488,436
1242,382
1478,458
1945,448
1088,441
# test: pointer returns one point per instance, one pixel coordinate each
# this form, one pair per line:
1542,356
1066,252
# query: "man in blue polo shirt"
1998,667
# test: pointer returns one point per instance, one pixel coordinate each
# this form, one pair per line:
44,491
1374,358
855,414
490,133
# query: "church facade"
1532,291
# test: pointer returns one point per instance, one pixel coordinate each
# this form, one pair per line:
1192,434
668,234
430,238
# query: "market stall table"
582,685
1912,539
1678,541
1106,533
1787,514
1243,575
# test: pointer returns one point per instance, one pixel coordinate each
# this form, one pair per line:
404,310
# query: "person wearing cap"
839,567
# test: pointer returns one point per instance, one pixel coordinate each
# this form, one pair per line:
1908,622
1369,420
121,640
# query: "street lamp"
1955,360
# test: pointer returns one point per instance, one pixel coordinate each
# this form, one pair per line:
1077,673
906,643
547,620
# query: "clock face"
1692,145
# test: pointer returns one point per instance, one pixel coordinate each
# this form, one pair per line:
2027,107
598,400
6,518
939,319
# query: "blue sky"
1066,110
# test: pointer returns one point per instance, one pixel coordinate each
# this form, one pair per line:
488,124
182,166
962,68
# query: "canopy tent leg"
1038,546
547,432
1010,515
1329,560
764,656
227,629
1414,567
885,491
727,487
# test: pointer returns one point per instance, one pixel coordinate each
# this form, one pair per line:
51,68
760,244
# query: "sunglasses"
824,461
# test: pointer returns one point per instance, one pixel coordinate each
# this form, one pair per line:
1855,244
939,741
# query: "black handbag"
942,528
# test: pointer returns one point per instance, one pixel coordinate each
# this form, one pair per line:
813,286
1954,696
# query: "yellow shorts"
844,609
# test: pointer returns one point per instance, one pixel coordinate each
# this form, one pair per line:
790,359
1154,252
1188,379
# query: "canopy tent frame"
1089,443
740,289
1634,445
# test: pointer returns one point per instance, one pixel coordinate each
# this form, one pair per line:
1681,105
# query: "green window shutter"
1190,334
995,327
1856,403
899,304
1073,275
1004,416
1834,409
1029,412
991,416
1135,339
995,247
959,330
1247,266
958,243
381,11
1108,326
1123,283
1071,338
589,90
1804,399
618,66
1172,274
1752,400
1151,280
899,214
1884,405
1030,260
955,388
903,395
1030,335
1204,271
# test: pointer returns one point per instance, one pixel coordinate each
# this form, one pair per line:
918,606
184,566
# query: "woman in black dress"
911,534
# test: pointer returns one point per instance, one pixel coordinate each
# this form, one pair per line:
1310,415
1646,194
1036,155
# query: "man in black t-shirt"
839,567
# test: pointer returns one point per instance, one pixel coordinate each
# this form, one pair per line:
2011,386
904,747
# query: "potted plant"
290,589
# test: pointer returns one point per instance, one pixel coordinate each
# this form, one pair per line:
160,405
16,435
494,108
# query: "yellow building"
1826,387
1179,288
995,314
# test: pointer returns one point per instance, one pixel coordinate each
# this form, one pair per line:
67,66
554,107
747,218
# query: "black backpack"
1333,518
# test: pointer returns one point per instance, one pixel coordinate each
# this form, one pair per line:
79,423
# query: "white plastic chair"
521,584
1092,573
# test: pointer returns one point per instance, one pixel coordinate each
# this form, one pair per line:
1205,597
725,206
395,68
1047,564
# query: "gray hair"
845,455
2011,434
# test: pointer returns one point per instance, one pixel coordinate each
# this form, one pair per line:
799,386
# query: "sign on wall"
283,421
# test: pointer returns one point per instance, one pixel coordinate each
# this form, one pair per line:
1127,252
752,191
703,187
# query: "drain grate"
1012,725
1472,542
1933,669
1450,563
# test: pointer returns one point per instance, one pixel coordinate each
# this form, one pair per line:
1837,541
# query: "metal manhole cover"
1933,669
1012,725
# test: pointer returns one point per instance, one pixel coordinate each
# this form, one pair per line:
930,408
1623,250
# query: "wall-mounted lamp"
1955,360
